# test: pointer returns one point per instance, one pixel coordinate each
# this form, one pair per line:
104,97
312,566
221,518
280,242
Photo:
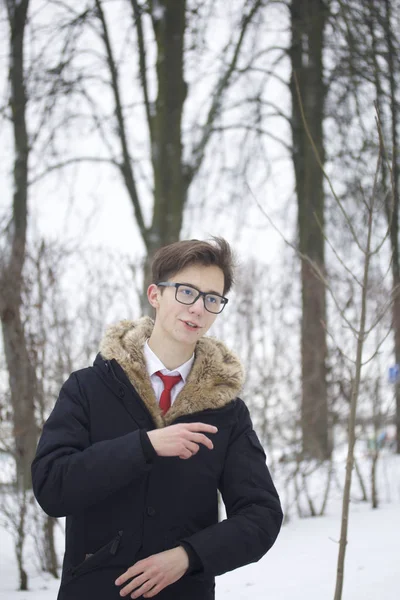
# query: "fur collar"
215,379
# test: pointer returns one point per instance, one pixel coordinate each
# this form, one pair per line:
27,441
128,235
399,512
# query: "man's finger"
200,438
134,584
146,587
185,454
202,427
192,447
136,569
154,591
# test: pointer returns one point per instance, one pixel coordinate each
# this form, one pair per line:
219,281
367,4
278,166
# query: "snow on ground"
301,565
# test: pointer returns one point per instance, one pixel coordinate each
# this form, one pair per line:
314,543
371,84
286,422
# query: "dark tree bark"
170,181
20,542
170,187
379,20
21,373
392,209
50,556
308,18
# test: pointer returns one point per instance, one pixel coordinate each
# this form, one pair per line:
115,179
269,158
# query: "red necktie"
169,381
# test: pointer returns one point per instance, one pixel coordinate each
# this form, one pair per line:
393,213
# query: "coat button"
121,392
151,511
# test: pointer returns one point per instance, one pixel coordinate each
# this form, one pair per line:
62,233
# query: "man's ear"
153,295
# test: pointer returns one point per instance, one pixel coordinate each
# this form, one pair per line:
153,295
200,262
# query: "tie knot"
168,380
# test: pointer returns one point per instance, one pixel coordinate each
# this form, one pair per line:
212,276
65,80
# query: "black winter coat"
122,506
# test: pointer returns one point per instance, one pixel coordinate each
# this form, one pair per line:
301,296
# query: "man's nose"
198,306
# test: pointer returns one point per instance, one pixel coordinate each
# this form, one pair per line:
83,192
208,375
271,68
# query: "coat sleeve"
69,474
254,514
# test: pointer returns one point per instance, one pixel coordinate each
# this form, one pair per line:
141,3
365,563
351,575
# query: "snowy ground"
302,564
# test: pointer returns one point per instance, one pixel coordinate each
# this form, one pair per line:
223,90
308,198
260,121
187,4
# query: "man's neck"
171,354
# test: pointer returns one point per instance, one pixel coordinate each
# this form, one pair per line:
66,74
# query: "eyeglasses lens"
188,295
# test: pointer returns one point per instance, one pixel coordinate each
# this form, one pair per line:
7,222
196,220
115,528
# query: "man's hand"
154,573
181,440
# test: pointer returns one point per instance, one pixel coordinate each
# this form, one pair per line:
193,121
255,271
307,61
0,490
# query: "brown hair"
173,258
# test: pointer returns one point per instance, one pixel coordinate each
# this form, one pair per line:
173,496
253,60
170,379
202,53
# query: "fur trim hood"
215,380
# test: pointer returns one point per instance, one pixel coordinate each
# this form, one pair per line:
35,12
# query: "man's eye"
212,299
187,291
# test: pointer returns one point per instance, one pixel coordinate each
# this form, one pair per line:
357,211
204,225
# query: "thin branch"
142,63
338,347
385,337
317,271
98,123
259,101
71,161
383,311
257,130
125,167
389,208
222,85
318,158
336,253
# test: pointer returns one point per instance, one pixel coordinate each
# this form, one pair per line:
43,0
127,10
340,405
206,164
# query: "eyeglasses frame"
203,294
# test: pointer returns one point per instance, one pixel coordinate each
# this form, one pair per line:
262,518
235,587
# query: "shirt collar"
154,364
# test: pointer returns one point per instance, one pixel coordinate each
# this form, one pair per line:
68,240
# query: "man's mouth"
191,325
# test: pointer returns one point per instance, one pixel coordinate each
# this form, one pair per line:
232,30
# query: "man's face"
181,322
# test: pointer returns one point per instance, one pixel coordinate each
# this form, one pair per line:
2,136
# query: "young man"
134,459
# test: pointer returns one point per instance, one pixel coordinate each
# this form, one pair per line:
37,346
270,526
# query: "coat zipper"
116,543
113,549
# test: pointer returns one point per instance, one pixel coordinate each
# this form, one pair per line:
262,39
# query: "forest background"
126,125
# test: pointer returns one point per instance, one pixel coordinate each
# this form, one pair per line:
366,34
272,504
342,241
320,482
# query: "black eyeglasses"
186,294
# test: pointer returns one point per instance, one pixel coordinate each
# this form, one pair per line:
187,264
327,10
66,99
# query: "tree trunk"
170,188
170,183
361,336
21,373
364,496
50,556
171,175
20,538
308,97
374,462
393,201
164,119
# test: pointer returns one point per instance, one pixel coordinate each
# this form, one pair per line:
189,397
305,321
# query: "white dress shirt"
154,364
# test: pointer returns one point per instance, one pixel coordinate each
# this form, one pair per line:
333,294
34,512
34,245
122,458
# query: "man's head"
190,279
175,257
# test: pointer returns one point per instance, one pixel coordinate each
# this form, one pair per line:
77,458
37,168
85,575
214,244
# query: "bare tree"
392,183
162,125
308,91
21,373
361,332
366,71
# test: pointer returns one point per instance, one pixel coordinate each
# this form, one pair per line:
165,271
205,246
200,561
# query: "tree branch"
249,128
72,161
126,166
142,64
222,85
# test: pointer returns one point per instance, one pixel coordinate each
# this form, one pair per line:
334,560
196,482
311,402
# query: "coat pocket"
255,442
98,558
